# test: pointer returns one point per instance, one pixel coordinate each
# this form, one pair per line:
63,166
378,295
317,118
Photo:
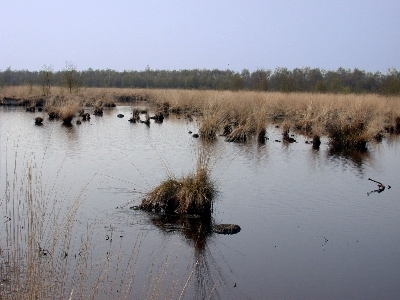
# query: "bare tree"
46,76
70,79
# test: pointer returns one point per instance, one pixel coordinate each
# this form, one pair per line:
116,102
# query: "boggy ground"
349,120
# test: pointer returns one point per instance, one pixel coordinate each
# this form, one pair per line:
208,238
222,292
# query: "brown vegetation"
350,121
191,194
241,115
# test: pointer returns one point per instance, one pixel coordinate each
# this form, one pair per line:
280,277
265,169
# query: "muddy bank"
35,101
40,101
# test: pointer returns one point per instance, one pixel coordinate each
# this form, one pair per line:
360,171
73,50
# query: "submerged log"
226,228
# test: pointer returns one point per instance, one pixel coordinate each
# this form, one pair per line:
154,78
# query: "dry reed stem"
32,244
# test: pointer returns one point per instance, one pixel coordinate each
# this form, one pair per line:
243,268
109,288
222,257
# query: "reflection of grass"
208,275
196,230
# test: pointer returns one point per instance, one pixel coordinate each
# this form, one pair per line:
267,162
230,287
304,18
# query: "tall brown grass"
43,255
191,194
243,114
36,236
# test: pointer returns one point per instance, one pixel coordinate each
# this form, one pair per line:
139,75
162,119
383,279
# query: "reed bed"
350,121
244,114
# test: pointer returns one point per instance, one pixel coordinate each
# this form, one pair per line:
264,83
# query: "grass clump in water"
245,129
191,194
347,134
67,112
208,129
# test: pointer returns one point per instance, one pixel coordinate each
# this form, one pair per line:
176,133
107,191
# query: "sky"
220,34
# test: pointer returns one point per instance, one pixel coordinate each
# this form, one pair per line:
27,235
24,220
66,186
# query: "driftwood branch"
381,187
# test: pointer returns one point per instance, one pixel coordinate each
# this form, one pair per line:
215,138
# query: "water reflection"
268,189
197,232
195,229
393,139
357,159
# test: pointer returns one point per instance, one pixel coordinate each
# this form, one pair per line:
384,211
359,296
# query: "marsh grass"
68,111
243,114
209,128
191,194
135,115
240,134
352,130
64,108
350,121
347,135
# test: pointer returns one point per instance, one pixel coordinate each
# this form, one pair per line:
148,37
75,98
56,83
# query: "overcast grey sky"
129,35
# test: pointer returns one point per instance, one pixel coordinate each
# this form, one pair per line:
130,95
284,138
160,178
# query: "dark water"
308,228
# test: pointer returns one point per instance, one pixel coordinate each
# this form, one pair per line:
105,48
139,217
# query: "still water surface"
309,229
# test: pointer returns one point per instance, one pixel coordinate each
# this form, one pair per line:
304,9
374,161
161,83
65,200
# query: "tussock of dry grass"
67,112
209,128
191,194
239,134
63,108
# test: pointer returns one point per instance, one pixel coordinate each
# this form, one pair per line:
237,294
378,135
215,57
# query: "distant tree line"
281,79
